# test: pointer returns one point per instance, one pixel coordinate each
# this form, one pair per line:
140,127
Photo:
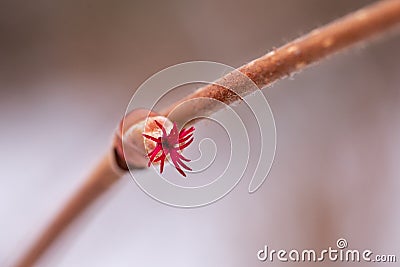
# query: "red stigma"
171,144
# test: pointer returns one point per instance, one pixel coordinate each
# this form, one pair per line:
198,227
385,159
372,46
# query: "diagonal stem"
292,57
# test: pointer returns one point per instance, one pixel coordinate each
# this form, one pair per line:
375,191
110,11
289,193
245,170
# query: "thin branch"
297,55
292,57
97,182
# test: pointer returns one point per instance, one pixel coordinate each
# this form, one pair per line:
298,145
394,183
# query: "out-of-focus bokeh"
68,70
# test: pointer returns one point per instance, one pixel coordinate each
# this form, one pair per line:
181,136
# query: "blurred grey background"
68,70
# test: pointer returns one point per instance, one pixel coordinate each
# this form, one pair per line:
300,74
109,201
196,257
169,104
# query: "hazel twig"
292,57
297,55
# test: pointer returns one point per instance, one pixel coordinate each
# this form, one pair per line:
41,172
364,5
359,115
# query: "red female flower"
171,144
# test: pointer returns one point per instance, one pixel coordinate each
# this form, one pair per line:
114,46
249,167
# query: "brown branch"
101,178
290,58
298,54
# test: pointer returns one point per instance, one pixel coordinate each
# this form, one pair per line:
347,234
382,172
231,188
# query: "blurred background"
68,70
